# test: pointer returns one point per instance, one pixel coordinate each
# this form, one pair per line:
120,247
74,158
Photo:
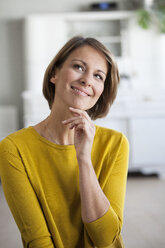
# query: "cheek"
69,75
64,77
100,90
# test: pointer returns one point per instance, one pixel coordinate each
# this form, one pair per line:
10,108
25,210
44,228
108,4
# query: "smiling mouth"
82,93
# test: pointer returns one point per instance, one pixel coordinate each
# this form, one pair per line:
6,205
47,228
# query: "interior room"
32,32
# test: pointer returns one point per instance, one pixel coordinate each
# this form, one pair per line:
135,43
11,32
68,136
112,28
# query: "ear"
53,79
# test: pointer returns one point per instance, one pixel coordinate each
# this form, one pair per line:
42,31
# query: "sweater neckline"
48,142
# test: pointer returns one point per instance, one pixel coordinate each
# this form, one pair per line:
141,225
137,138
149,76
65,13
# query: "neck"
53,129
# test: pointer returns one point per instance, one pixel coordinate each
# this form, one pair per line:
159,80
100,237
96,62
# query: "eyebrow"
86,64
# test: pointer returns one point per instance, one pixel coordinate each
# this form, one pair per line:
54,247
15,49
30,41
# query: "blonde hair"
101,108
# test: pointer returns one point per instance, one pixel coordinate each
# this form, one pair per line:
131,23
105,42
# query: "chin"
82,107
78,104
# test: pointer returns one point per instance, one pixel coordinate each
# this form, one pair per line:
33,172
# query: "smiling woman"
82,74
111,78
65,178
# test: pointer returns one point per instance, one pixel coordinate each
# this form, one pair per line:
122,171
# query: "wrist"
84,160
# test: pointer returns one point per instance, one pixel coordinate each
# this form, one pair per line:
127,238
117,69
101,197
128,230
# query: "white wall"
11,73
20,8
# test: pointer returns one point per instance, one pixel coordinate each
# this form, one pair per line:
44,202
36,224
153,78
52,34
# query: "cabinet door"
147,138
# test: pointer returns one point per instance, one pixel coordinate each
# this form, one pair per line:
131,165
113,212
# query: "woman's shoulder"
110,135
10,141
107,132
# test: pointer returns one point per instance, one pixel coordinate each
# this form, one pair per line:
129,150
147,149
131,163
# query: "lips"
80,90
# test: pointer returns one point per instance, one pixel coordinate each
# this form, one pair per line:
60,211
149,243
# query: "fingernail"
64,121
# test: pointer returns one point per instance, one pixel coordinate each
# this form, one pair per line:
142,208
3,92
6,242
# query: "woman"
65,178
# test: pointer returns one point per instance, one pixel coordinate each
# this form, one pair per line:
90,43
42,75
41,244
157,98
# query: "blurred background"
31,33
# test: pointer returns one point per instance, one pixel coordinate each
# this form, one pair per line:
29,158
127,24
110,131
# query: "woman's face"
80,81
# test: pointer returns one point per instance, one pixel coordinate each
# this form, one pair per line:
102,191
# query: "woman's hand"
84,133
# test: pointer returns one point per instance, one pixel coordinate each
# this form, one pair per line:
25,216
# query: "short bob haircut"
102,106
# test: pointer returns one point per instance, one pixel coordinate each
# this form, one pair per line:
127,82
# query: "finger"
70,120
80,112
77,122
80,127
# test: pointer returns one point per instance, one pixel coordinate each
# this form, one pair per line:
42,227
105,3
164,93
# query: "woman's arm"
105,230
23,202
101,208
94,203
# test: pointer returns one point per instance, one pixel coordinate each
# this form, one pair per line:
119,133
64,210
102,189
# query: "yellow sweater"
40,180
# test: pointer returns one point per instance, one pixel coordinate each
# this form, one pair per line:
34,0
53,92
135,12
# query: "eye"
78,67
98,76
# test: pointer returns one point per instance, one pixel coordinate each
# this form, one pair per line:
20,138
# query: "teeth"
79,91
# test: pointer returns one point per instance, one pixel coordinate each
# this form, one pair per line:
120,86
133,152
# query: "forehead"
89,55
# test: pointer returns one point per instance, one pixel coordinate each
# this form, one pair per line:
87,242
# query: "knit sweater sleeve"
105,230
22,199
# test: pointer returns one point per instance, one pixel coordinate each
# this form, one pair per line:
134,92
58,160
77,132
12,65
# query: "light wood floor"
144,222
144,219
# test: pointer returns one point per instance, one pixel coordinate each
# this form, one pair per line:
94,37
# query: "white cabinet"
108,27
43,37
147,137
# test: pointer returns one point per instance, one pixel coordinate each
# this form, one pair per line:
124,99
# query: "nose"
86,79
